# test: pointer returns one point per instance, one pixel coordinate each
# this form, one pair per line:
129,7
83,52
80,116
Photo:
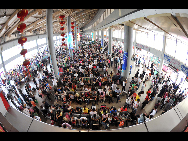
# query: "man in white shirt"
136,104
54,82
92,112
124,83
154,111
90,66
114,86
76,74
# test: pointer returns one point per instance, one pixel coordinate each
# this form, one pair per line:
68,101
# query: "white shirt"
139,80
76,75
54,82
136,104
90,66
26,111
95,61
123,83
37,118
114,87
128,100
92,113
153,112
35,67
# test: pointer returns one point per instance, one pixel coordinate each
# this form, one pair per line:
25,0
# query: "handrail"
165,122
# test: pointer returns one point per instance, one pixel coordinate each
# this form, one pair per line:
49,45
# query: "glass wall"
41,41
158,41
170,46
150,39
12,65
30,44
15,50
181,52
7,54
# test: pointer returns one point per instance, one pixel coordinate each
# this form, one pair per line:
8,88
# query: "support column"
109,41
128,44
163,51
94,35
38,46
98,36
75,39
102,38
134,41
5,72
49,29
69,30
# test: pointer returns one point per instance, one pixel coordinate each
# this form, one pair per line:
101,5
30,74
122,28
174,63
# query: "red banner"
5,102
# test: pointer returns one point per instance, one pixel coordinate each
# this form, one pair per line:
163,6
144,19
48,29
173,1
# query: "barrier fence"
169,121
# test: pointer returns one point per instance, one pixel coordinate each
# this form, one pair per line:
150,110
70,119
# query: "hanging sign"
125,57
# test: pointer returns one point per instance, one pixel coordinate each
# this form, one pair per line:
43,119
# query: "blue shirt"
113,111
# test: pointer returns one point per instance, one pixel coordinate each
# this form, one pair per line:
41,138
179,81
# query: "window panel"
7,54
158,42
31,54
12,65
41,41
181,52
170,46
30,44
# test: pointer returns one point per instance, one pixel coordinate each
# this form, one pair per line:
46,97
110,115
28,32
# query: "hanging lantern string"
21,14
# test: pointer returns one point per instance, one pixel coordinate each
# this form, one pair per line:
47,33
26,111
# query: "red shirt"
123,109
147,98
149,91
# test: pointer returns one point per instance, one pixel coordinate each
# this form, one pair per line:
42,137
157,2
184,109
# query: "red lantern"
23,52
63,34
21,27
72,27
61,17
62,28
73,33
72,23
63,44
63,39
22,40
21,14
26,62
62,23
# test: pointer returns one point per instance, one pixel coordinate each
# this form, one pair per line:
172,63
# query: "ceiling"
36,20
172,25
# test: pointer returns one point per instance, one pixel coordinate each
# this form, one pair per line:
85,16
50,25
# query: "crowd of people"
85,81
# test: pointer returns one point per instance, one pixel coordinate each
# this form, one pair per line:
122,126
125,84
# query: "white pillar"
109,41
69,30
98,35
75,36
102,38
128,44
162,55
49,29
